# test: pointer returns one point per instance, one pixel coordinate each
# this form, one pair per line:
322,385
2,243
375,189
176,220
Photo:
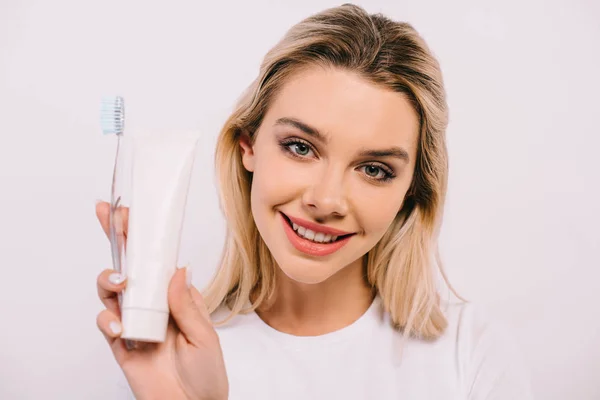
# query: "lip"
316,227
309,247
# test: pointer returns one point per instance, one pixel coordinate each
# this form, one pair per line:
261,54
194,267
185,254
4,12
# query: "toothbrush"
112,122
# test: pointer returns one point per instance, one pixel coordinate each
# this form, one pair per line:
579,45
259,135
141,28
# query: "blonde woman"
332,172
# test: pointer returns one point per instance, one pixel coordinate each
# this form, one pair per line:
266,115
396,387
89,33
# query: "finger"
110,283
173,331
199,301
188,316
103,215
121,216
110,326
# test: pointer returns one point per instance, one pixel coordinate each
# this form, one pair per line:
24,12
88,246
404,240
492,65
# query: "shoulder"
228,325
471,325
491,365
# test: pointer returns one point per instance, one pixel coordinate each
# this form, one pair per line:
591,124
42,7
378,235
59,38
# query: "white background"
521,230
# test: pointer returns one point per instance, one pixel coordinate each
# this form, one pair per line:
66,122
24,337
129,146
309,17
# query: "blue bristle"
112,115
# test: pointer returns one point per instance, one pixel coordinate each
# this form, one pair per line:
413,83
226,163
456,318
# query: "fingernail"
98,201
115,327
116,278
188,276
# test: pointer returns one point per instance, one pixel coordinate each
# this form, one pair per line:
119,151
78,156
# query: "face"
331,162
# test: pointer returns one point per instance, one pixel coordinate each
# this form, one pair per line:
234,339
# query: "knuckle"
101,276
189,302
100,319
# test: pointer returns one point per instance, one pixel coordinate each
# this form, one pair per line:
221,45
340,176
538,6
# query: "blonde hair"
401,266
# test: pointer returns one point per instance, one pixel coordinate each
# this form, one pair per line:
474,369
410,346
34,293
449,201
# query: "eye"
300,149
378,172
297,148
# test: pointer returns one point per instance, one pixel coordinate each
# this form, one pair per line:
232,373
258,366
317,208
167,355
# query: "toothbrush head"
112,115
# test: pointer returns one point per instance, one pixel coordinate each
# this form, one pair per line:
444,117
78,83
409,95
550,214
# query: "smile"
318,241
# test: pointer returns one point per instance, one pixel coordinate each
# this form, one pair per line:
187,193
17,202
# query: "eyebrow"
309,130
396,152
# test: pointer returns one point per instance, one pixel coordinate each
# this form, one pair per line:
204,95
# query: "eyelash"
286,143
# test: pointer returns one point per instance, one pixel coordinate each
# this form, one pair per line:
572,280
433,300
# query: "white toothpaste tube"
160,176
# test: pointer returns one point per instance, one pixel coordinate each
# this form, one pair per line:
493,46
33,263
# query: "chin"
306,274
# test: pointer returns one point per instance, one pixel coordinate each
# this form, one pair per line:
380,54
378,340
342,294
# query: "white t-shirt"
473,360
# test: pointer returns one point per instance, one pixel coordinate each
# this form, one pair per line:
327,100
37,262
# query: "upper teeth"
319,237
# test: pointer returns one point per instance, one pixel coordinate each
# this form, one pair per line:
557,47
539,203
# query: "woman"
332,171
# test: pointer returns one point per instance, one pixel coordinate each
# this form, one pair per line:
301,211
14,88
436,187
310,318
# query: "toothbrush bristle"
112,115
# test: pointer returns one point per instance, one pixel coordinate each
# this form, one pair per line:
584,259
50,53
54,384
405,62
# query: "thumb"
186,312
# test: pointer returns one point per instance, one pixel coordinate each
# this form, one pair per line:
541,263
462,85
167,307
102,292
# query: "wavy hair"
401,267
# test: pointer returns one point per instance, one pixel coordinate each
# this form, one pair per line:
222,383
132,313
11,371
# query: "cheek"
376,209
272,183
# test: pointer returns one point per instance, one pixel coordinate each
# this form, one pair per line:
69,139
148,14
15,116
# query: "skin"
189,363
327,182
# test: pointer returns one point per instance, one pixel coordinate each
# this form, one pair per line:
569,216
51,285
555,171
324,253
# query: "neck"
316,309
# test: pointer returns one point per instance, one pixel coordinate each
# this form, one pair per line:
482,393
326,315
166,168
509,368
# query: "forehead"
339,102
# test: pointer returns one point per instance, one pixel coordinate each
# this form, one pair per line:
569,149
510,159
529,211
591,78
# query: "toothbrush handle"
117,235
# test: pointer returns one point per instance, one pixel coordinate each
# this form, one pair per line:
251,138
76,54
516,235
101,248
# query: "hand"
189,364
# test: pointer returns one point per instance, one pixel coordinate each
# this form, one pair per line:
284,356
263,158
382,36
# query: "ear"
247,151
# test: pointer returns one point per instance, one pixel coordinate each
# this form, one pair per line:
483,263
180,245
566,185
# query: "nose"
326,196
